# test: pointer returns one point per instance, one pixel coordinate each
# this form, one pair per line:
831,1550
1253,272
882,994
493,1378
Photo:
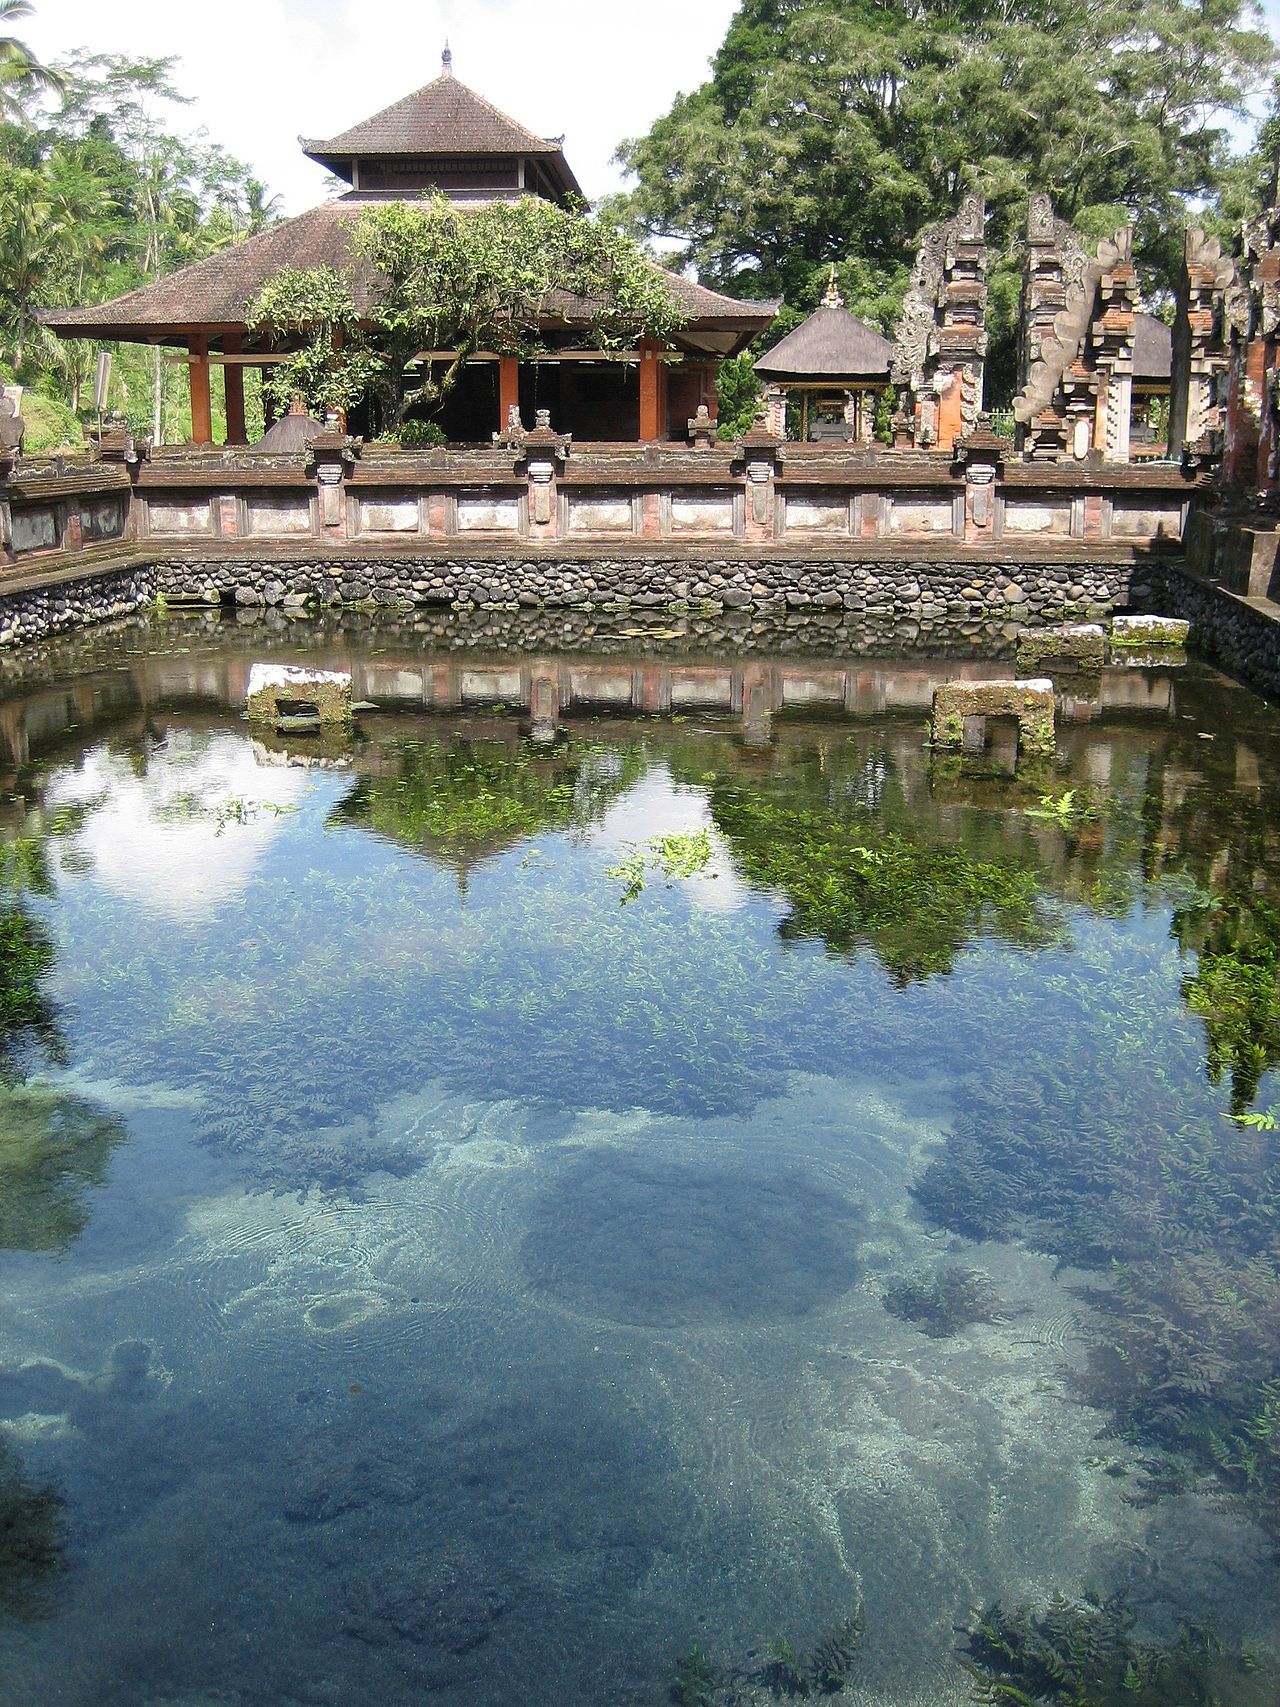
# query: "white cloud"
190,834
264,71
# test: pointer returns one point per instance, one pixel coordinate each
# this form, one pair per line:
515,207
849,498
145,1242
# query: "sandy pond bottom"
575,1393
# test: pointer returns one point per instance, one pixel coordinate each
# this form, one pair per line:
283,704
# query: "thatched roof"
292,432
1152,348
832,344
444,119
213,296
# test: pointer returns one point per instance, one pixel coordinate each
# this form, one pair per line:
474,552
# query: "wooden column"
508,389
201,400
652,426
233,375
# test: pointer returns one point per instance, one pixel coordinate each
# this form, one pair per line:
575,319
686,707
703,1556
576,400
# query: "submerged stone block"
1147,631
1079,647
283,692
960,711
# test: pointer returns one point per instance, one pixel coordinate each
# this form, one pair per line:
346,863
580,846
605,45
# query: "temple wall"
910,539
810,499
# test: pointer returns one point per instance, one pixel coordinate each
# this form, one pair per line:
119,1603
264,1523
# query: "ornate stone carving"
1209,292
1076,340
941,344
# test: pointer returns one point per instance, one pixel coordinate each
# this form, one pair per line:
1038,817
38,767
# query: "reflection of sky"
657,807
165,840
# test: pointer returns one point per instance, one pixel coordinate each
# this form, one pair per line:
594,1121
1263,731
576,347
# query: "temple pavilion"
442,137
834,368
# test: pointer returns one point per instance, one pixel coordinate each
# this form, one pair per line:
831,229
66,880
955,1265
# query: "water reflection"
867,1218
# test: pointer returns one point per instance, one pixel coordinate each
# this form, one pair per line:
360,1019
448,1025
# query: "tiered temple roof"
444,136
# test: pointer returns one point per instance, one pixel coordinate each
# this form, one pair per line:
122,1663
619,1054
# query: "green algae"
32,1539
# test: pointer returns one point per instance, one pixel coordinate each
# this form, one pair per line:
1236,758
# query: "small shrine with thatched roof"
834,367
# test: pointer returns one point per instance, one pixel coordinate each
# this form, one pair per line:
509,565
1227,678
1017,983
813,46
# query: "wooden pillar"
201,400
233,375
652,426
508,389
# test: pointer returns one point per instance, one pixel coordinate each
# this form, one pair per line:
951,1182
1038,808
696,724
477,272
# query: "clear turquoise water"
429,1273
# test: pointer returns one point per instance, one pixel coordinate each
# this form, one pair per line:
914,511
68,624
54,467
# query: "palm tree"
21,73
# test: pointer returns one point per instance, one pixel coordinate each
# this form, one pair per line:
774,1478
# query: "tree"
21,73
461,280
836,129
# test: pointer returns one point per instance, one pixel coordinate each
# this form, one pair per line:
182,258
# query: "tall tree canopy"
832,129
100,193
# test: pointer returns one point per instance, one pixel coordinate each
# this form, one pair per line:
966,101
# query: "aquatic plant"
1084,1653
680,853
1069,810
32,1537
26,960
52,1147
460,802
778,1671
694,1683
943,1303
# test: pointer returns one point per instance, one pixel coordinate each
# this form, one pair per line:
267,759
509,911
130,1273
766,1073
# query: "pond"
630,1179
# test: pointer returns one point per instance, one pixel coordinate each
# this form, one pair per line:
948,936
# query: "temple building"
443,137
832,370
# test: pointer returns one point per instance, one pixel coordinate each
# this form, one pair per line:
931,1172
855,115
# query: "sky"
263,72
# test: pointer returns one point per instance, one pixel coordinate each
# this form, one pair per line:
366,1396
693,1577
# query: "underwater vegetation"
1235,987
460,802
1083,1653
53,1147
943,1303
682,853
859,867
778,1672
26,959
31,1542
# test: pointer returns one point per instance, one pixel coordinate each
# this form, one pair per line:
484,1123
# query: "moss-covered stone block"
960,711
279,691
1147,631
1078,648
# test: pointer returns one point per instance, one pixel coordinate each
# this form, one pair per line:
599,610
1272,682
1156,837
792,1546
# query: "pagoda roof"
213,296
444,119
1152,348
831,344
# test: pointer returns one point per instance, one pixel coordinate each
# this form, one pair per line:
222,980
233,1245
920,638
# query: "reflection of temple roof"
1152,348
831,344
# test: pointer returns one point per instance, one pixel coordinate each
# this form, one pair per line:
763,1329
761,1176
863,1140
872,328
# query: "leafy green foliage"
97,197
457,279
853,876
680,853
52,1148
833,130
462,802
1085,1654
331,368
780,1672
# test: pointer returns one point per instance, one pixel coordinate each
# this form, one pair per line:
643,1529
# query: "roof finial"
833,298
446,61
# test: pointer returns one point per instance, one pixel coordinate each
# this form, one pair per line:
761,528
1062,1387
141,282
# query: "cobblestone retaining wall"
895,589
1241,635
33,613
